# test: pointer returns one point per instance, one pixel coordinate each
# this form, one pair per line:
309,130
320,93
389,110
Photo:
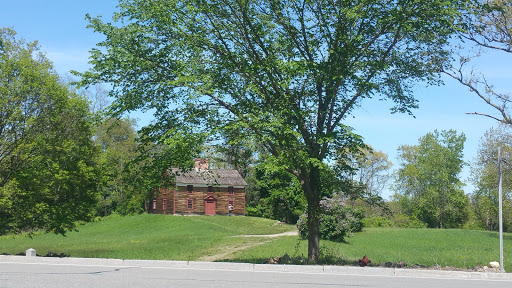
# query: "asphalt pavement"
21,271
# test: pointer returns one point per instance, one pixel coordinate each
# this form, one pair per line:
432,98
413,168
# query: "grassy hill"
147,236
221,238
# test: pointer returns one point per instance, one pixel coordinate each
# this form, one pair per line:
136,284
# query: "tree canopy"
117,141
427,182
284,73
47,158
485,177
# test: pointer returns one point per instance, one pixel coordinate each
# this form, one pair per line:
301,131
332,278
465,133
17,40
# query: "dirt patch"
230,250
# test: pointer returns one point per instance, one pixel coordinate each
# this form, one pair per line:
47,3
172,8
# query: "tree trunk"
441,217
310,180
314,232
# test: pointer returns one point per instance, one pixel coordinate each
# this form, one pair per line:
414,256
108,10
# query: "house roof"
225,177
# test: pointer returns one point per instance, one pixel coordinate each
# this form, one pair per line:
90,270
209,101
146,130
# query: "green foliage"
48,176
278,194
485,177
235,151
405,221
376,221
116,139
156,155
337,220
131,167
396,219
427,183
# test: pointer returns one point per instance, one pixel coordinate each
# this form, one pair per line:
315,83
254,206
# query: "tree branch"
486,115
473,88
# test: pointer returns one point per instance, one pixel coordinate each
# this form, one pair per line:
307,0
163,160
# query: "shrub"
404,221
253,211
337,220
377,221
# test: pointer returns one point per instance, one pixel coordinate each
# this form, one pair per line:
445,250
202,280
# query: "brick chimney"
201,164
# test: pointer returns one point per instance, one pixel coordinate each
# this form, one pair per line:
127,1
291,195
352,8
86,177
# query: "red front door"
209,207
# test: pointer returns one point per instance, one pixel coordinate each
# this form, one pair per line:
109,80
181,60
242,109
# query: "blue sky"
60,28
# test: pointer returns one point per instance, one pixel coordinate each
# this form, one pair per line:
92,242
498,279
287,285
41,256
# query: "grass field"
457,248
218,239
146,237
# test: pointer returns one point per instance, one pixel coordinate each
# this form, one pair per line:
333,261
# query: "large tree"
117,141
47,158
427,182
285,73
485,177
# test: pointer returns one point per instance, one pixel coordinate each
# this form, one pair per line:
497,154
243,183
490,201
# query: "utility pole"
500,210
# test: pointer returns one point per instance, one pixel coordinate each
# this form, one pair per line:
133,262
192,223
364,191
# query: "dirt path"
290,233
230,250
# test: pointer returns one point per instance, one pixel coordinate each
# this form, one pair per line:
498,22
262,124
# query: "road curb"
229,266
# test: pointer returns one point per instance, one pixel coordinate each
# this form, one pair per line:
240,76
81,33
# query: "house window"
231,190
154,204
210,189
164,204
190,189
190,203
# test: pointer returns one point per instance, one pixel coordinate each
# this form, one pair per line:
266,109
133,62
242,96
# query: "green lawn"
458,248
190,238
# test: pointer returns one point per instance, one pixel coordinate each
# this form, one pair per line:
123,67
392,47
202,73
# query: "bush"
404,221
377,221
337,220
398,220
252,211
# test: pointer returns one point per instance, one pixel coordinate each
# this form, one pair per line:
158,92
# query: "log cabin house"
201,191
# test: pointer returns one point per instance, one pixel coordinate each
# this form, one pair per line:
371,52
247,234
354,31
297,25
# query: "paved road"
40,272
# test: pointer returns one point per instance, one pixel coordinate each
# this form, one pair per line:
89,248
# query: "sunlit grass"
457,248
163,237
145,237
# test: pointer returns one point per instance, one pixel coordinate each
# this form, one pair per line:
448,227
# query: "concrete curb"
305,269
